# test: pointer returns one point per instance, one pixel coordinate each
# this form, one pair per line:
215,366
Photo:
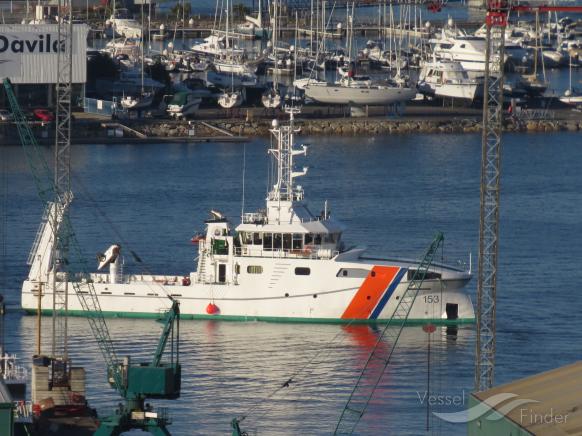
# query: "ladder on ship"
201,272
380,357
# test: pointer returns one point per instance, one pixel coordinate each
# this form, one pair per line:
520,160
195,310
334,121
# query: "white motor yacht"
440,78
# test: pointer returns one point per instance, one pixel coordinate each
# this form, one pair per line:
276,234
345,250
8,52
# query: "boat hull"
333,94
573,100
278,294
450,90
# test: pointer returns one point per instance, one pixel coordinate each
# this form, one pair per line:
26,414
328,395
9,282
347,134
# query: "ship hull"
278,294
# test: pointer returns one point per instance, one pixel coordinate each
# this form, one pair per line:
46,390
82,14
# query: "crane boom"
134,383
82,284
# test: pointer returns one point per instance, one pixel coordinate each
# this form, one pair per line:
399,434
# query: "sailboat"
572,96
272,98
358,90
232,98
254,26
531,82
229,100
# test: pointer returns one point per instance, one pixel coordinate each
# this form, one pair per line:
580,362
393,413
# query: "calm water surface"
393,193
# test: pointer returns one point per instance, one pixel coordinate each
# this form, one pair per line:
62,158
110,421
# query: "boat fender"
186,281
212,309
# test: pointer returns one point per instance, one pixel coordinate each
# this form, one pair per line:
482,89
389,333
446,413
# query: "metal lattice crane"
62,179
133,382
496,23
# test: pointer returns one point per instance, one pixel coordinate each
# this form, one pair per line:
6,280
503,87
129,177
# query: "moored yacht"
447,79
359,91
468,50
123,24
282,262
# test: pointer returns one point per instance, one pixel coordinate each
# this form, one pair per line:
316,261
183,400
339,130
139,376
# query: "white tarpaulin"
29,52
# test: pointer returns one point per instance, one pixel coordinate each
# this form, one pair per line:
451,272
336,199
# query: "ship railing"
10,370
105,278
23,411
305,253
254,218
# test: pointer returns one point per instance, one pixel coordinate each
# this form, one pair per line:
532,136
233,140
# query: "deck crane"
134,382
496,22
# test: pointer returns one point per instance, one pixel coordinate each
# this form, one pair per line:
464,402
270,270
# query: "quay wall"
353,127
233,130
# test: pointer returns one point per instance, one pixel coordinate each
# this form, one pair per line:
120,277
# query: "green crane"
134,382
379,357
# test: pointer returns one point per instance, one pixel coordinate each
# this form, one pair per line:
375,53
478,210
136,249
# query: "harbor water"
393,193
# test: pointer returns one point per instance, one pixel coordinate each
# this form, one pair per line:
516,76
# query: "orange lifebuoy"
186,281
212,309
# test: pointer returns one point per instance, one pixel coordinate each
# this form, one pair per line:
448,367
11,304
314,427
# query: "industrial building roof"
556,406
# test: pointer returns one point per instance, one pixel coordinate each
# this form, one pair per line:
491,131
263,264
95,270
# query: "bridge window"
287,241
428,276
255,269
302,271
267,241
257,238
246,238
308,239
297,241
277,241
331,238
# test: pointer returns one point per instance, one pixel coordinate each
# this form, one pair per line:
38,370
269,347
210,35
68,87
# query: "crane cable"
292,379
138,259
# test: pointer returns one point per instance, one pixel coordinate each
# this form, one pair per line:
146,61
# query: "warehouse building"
549,403
29,57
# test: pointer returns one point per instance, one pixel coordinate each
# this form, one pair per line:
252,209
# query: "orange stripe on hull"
370,292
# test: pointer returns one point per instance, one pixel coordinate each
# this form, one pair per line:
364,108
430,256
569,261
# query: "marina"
289,217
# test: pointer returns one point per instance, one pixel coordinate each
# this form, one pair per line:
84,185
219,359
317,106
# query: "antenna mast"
283,189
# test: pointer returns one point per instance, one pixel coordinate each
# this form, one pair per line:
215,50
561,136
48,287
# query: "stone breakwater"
348,126
90,131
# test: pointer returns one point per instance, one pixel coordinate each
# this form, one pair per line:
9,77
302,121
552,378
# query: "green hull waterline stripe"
279,319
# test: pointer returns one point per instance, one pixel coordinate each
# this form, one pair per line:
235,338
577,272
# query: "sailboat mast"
274,40
142,51
311,31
